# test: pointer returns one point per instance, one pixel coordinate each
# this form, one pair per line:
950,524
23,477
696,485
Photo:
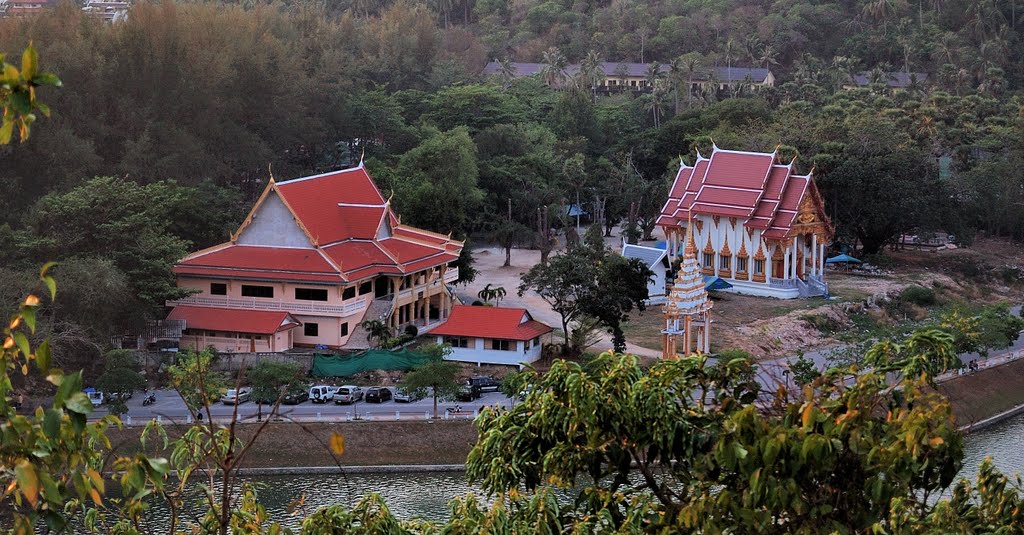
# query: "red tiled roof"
491,322
342,212
746,185
233,320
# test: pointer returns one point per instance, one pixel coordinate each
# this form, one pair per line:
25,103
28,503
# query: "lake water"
426,494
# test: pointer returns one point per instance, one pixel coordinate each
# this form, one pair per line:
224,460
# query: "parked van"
322,393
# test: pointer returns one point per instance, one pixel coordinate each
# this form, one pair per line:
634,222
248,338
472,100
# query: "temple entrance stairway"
379,309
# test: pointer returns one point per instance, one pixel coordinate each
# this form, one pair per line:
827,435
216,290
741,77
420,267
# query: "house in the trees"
492,335
657,260
755,223
314,258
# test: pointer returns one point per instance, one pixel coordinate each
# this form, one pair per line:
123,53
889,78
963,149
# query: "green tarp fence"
373,359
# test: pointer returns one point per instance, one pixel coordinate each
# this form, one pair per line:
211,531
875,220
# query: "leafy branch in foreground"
18,94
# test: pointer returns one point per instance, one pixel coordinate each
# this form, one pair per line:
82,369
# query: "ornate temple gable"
699,224
708,248
811,217
272,223
725,248
743,250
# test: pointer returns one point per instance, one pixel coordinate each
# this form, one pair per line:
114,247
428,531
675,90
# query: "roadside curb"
992,420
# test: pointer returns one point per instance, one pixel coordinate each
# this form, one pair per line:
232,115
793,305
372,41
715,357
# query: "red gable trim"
491,322
234,320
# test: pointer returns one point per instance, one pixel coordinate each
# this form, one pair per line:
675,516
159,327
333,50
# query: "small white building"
657,260
492,335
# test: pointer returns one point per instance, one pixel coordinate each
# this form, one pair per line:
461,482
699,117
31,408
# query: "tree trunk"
508,256
435,401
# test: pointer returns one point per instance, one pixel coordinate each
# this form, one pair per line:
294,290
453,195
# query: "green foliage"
439,375
804,371
270,380
120,377
918,295
981,330
590,281
195,381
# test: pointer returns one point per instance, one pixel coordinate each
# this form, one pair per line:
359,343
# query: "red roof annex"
352,233
234,320
751,186
491,322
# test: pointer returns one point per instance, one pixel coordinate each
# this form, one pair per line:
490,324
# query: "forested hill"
169,123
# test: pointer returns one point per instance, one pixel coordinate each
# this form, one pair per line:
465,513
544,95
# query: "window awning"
234,320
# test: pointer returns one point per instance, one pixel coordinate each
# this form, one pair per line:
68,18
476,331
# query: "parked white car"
322,393
95,396
237,397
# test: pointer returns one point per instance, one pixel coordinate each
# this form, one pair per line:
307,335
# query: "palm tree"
377,330
590,72
691,64
675,79
731,48
768,56
656,104
445,7
497,293
553,71
506,71
653,74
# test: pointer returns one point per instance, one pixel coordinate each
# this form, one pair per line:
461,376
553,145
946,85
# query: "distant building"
633,76
23,8
314,259
755,223
657,260
894,80
493,335
108,10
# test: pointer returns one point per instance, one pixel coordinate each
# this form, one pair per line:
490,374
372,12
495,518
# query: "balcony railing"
256,303
451,275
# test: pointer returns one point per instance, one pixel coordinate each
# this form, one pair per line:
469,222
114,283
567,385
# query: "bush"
825,324
918,295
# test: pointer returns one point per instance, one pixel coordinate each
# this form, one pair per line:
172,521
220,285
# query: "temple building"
688,311
756,224
314,258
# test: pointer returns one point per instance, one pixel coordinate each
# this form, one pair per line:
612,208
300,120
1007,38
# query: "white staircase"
379,309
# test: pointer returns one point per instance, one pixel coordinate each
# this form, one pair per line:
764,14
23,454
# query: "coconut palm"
731,49
553,71
591,73
675,77
496,293
656,105
768,56
506,72
653,74
691,64
377,330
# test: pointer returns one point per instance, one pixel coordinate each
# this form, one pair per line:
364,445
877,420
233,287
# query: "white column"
795,256
768,267
785,264
821,260
814,254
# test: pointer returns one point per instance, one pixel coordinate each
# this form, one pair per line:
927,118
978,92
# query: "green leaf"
22,342
159,465
78,403
51,423
5,131
28,481
47,79
29,315
51,285
43,356
29,62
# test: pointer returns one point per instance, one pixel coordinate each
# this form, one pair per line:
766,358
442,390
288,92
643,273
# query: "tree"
497,293
553,71
119,379
439,375
377,330
804,370
439,189
613,419
270,381
467,273
588,280
196,382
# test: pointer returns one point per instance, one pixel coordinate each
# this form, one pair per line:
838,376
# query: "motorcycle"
150,399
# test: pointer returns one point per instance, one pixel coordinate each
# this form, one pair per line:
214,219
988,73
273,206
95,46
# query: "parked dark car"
486,383
468,392
377,394
295,397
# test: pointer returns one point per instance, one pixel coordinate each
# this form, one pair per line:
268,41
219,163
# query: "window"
218,288
709,259
349,293
758,267
535,342
724,262
310,294
344,329
456,341
311,329
257,291
498,344
366,287
741,264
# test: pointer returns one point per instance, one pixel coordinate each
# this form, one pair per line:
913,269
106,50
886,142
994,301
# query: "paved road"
169,407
